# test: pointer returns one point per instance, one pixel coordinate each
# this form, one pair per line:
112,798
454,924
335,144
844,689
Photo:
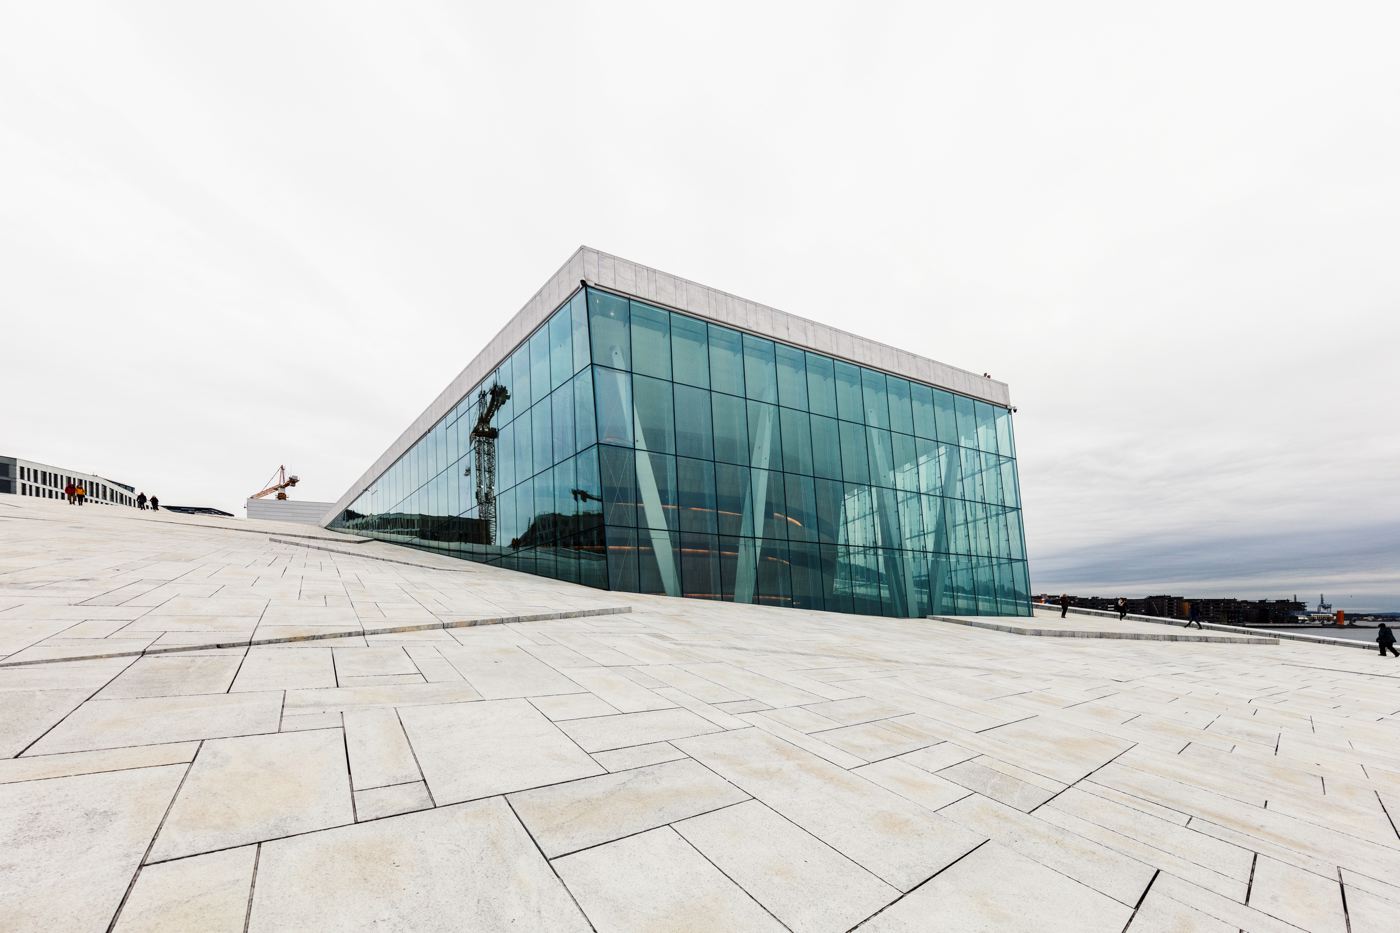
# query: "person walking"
81,493
155,504
141,501
1194,617
1064,605
71,492
1385,638
1122,606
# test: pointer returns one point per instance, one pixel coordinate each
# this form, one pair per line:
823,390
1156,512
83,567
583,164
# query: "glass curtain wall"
645,450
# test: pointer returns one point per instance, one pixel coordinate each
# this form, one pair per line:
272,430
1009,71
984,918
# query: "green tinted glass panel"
821,384
760,370
877,403
726,360
561,348
609,321
850,405
655,428
731,429
690,351
651,341
694,427
792,377
901,406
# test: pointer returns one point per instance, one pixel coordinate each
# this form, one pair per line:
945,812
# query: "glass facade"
645,450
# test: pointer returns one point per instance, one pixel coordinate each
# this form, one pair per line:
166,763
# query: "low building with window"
654,435
44,481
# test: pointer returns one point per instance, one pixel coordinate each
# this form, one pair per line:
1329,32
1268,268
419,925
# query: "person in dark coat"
71,492
141,501
1064,605
1122,607
1195,617
155,504
1385,638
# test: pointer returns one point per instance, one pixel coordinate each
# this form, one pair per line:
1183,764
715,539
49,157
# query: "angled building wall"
717,449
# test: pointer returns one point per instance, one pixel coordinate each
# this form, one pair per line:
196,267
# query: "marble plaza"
230,725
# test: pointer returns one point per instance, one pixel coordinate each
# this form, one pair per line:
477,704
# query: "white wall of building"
45,481
288,510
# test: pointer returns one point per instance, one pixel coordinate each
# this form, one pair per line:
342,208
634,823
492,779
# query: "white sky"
238,236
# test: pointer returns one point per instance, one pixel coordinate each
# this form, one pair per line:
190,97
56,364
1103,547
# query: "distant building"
288,510
1228,611
44,481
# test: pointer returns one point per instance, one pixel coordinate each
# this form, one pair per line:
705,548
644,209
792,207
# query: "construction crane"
484,454
282,483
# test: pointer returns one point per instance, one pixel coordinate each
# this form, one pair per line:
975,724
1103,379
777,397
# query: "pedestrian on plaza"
155,504
1064,605
71,492
1122,606
1385,638
141,501
1195,616
81,493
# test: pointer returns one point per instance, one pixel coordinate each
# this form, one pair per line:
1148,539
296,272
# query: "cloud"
233,242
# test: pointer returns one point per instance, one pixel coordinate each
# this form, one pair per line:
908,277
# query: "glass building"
707,447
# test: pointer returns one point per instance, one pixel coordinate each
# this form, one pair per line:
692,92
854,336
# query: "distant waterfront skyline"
1354,567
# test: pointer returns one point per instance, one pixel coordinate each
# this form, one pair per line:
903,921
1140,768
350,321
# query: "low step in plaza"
279,728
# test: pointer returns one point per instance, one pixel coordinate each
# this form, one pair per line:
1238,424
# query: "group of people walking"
1120,605
76,494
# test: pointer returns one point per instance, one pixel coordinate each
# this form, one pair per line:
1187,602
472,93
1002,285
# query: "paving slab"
635,756
466,867
995,889
252,788
157,720
911,783
378,802
379,750
895,839
1121,877
572,706
29,715
995,780
70,846
601,733
567,817
1299,897
173,675
1161,914
656,881
266,668
13,770
505,671
208,893
800,880
471,750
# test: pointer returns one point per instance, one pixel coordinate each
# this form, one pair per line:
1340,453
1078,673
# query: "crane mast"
484,454
279,483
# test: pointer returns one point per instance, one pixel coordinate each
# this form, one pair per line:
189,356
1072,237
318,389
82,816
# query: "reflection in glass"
644,450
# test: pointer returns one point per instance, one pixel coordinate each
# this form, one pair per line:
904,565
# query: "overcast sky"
238,236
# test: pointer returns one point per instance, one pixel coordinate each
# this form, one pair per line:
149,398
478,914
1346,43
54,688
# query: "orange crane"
282,484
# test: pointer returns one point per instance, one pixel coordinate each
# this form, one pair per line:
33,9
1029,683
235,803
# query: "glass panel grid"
644,450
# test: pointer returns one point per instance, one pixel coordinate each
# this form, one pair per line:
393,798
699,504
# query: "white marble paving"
680,765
